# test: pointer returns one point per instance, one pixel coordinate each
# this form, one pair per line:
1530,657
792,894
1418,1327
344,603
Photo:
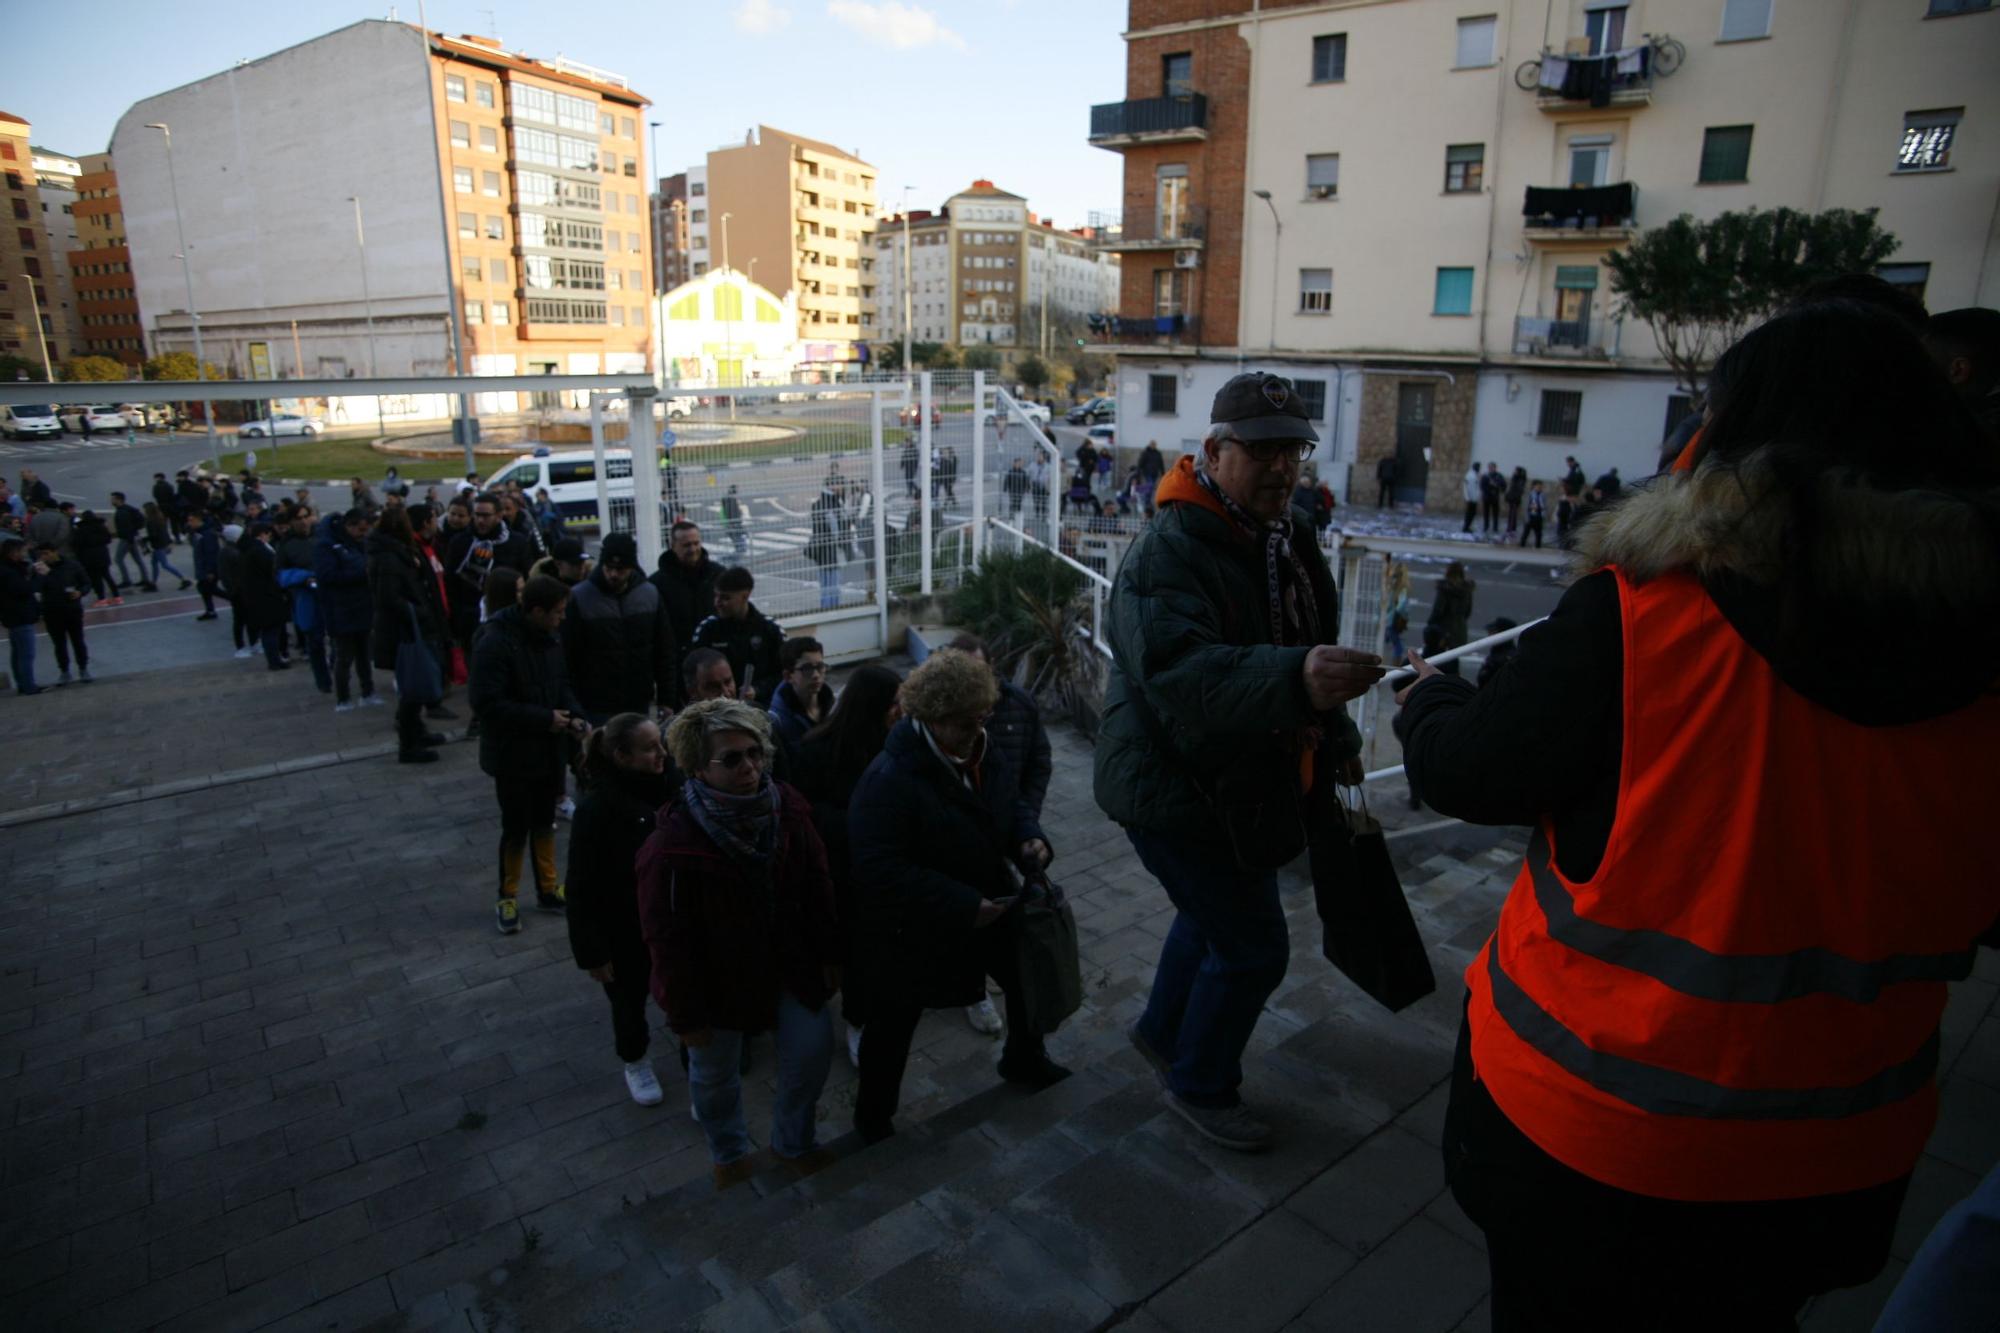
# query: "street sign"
668,438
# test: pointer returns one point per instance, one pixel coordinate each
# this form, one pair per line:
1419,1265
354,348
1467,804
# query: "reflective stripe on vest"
1742,1002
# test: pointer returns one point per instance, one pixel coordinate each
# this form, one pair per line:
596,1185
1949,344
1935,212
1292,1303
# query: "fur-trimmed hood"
1900,587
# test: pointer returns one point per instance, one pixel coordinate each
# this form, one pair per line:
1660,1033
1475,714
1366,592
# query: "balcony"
1585,213
1158,229
1150,120
1594,81
1594,338
1141,330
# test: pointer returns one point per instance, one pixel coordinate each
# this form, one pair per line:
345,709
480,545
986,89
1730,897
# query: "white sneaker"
854,1046
565,808
984,1018
372,701
347,707
643,1082
246,652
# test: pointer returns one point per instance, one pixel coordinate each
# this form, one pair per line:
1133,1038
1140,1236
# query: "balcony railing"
1181,228
1593,337
1149,120
1145,328
1555,213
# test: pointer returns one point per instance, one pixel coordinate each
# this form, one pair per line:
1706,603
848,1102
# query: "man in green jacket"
1223,711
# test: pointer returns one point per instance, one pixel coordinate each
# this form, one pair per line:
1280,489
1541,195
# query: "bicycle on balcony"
1665,55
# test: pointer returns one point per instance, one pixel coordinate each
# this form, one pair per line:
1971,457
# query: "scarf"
744,827
1294,618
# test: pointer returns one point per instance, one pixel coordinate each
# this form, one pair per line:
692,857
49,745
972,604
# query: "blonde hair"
950,684
1399,580
688,733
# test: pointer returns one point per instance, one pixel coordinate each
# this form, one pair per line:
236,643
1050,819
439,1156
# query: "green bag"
1051,977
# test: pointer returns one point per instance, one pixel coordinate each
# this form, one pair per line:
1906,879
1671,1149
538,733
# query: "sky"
935,93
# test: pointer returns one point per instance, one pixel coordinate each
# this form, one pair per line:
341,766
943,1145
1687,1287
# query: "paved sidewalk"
264,1063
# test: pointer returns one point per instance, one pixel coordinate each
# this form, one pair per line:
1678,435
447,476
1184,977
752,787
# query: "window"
1679,408
1927,137
461,134
1911,278
1745,19
1562,410
483,94
454,88
489,139
1322,175
697,190
618,315
1315,291
1725,155
500,270
607,123
472,268
1605,26
1312,397
502,313
475,312
1475,41
20,208
698,215
1590,160
1177,74
1330,58
1169,292
627,127
468,225
1454,292
496,230
1464,168
614,239
1162,395
489,184
461,179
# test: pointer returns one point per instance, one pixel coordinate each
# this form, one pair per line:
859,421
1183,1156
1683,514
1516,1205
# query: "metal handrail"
1397,679
1100,586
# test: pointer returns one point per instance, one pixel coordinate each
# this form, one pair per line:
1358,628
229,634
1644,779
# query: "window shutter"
1744,19
1475,41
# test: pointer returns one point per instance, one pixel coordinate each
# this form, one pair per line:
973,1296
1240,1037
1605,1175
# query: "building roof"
477,51
815,144
986,189
11,118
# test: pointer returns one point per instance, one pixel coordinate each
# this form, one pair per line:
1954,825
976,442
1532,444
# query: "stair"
1066,1209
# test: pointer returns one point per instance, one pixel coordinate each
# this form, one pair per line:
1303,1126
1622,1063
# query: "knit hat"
619,546
569,550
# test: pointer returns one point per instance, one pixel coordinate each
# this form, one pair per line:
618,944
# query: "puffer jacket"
1204,717
789,718
398,578
1016,733
518,682
688,594
342,570
612,822
620,647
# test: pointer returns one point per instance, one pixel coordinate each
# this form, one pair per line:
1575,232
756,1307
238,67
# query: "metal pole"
924,479
979,460
1277,245
639,447
658,321
187,276
881,517
597,454
454,313
906,285
367,302
48,369
728,322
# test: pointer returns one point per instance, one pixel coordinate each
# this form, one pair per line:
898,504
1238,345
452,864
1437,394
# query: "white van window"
617,467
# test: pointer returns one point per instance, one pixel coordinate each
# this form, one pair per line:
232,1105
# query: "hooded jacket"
689,594
206,546
620,646
789,718
1204,716
518,683
91,540
341,567
750,644
258,595
468,558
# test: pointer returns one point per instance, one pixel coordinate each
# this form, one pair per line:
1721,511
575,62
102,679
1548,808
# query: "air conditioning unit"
1187,259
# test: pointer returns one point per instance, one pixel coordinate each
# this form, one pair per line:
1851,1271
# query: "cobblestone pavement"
264,1062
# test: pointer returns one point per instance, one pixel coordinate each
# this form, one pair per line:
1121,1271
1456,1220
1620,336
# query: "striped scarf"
1294,613
745,828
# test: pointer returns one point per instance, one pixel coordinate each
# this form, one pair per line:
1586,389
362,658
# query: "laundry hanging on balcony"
1579,206
1593,78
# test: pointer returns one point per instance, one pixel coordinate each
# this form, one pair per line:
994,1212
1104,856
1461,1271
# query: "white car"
100,416
281,423
1035,412
36,420
1104,437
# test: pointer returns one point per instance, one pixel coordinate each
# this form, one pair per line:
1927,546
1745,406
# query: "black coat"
164,496
689,594
1016,733
750,644
926,850
824,548
258,596
18,585
128,521
620,647
518,681
341,567
399,579
612,822
63,576
468,559
91,540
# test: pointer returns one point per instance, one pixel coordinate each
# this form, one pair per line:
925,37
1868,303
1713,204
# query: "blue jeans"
21,647
1225,954
161,562
315,642
273,639
829,587
715,1085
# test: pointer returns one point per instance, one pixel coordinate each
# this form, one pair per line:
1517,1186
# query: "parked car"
146,416
1097,409
1103,437
912,416
1035,412
30,422
282,423
101,416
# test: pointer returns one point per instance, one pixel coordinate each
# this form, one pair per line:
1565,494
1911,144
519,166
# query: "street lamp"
1277,245
657,322
367,302
728,320
906,282
35,300
187,276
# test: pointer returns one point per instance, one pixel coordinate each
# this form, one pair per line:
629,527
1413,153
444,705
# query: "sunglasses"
731,760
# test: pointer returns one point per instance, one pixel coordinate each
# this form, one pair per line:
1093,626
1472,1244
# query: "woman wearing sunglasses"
737,910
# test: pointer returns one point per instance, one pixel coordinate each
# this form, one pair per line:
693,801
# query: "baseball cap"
569,550
1262,406
621,547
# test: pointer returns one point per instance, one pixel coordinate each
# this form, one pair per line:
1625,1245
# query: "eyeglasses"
811,668
1265,451
731,760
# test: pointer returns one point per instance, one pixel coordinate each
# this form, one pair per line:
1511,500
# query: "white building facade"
723,329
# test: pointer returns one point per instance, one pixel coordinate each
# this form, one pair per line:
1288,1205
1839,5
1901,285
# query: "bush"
1028,606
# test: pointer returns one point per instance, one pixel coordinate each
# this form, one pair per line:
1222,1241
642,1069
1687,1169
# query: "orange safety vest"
1743,1002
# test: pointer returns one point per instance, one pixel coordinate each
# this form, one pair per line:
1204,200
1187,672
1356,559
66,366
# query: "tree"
1700,285
980,357
1032,372
178,366
14,368
93,369
889,356
933,356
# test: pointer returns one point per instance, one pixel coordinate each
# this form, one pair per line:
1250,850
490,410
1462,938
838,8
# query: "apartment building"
985,269
55,178
329,246
33,276
798,217
100,267
671,259
699,261
1407,204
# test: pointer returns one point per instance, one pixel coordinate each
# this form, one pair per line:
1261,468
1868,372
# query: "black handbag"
1367,930
1051,975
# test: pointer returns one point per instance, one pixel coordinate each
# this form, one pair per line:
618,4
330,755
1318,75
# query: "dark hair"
1973,333
683,525
1454,573
1869,290
419,514
735,579
791,650
486,498
260,528
118,495
544,593
853,732
597,765
395,525
502,588
968,643
355,516
697,661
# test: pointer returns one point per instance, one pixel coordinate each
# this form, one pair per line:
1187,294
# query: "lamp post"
1277,245
659,257
728,320
906,282
35,301
187,276
367,301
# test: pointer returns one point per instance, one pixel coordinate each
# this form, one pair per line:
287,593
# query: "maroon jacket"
725,945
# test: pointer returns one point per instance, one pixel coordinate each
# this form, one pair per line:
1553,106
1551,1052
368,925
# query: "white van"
37,421
570,477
